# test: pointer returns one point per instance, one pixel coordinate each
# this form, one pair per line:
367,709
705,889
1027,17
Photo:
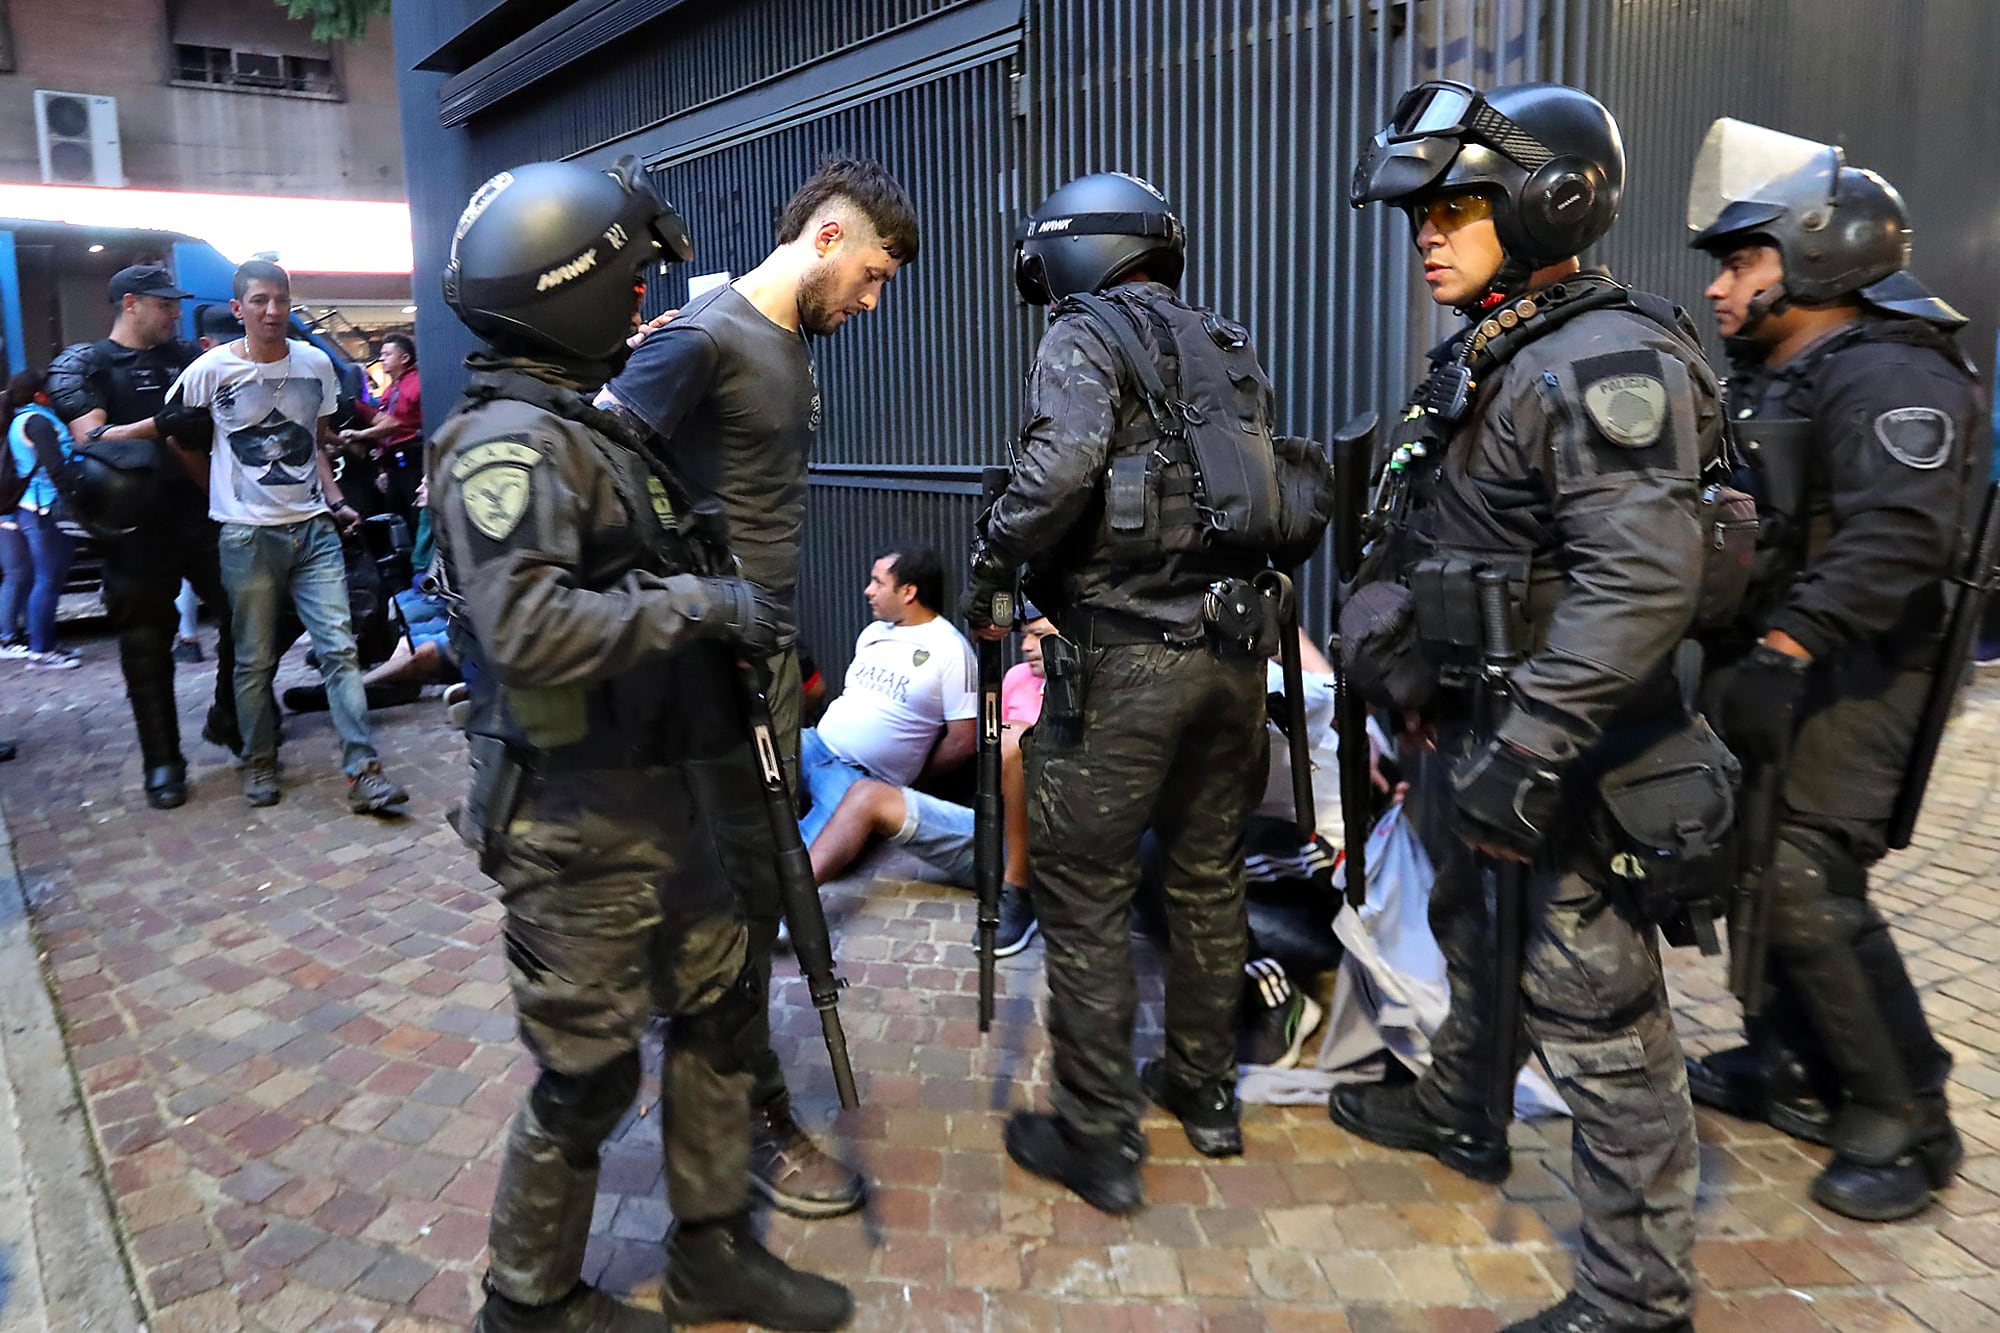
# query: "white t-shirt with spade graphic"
904,684
264,469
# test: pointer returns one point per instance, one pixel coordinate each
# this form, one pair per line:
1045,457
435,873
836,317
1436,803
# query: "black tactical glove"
748,616
1505,797
992,579
1760,707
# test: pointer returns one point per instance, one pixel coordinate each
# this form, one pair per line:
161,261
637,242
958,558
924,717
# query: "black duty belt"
1095,627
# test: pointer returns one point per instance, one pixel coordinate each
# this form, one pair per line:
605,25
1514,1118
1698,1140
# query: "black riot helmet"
1094,231
1839,231
1549,157
546,257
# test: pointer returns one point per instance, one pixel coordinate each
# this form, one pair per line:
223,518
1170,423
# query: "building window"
254,71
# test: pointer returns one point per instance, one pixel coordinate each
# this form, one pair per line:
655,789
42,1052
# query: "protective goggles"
647,209
1432,122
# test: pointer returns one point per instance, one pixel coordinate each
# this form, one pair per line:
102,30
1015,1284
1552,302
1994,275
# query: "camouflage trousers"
1173,739
1594,1008
617,908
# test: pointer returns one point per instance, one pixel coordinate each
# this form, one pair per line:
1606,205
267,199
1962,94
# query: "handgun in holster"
499,781
1061,718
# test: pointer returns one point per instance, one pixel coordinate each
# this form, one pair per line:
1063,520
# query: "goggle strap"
1097,224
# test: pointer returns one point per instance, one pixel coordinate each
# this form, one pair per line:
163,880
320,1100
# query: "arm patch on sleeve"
1918,437
495,482
1624,397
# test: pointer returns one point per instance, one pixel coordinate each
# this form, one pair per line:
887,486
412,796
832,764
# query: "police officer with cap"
1154,703
1547,469
145,504
603,638
1861,428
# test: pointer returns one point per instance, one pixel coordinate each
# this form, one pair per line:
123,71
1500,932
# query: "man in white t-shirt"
282,517
907,712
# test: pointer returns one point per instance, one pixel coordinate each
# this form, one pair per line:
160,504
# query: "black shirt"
734,396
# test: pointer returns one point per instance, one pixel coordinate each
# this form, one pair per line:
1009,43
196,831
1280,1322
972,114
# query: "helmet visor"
1431,122
1761,171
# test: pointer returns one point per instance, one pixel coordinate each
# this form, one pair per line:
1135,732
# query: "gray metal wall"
1906,85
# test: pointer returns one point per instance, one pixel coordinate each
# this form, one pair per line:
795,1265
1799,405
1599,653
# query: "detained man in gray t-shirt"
282,517
728,389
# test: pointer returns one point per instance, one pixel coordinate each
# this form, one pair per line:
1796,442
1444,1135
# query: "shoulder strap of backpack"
1126,341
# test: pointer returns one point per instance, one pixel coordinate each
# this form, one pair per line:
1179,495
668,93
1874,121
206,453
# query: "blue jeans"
827,776
52,549
16,573
260,566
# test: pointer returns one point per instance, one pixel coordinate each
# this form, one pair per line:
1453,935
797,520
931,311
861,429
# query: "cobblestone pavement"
293,1032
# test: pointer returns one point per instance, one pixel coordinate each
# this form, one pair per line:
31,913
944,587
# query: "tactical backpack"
1203,473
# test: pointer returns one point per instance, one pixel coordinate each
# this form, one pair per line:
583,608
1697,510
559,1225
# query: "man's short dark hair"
258,270
404,341
918,565
216,321
869,187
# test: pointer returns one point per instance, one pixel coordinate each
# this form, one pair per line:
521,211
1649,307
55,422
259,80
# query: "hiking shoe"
55,659
260,781
792,1172
1389,1114
187,651
1102,1170
1208,1112
1277,1017
1017,922
370,791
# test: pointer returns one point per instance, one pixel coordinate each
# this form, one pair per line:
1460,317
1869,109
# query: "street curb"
84,1273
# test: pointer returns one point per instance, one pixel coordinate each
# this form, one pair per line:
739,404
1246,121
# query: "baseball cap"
145,280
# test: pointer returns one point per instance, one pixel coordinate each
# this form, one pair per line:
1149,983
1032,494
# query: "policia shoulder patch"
1918,437
495,480
1625,397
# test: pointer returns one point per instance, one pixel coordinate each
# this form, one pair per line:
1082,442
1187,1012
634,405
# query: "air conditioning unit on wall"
78,137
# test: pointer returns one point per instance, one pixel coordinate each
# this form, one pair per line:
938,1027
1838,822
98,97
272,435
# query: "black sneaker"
1017,921
1208,1112
370,792
1103,1172
1278,1017
1574,1314
1388,1114
187,651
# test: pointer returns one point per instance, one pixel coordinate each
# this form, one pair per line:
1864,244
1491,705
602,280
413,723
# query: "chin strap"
1773,300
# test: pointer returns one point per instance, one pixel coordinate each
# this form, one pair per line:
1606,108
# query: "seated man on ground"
422,656
940,831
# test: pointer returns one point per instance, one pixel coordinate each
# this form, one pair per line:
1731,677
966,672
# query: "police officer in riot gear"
1862,430
1549,463
1162,639
153,518
604,639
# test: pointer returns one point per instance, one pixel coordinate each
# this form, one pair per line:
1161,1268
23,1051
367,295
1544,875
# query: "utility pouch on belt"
1666,826
1446,595
1238,619
1061,720
499,779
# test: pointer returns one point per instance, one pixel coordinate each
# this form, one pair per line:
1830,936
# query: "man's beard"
816,313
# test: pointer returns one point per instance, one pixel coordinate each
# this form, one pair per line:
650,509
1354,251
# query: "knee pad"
719,1033
1820,893
577,1111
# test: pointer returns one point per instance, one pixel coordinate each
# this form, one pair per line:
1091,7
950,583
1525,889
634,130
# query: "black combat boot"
1573,1314
584,1310
719,1271
159,741
1880,1178
1207,1111
1769,1085
1389,1114
792,1172
1102,1170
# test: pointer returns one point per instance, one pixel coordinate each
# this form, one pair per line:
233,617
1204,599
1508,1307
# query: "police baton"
1510,878
988,811
1353,458
1285,606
